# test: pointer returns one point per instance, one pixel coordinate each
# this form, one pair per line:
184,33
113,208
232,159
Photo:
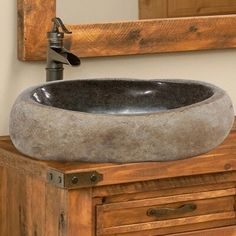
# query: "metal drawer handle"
164,212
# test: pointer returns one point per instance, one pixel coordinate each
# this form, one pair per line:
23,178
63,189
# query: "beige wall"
90,11
218,67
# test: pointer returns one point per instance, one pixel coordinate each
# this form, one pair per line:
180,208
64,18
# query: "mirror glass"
97,11
91,11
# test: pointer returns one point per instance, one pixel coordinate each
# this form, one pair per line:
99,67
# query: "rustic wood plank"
166,223
184,228
153,36
56,211
80,213
122,38
169,199
155,193
224,231
20,216
139,215
34,20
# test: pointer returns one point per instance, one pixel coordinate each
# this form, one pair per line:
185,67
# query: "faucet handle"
59,24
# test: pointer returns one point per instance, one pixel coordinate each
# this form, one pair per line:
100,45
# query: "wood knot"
228,166
193,28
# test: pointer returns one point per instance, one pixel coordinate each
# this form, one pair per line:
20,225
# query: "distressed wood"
29,206
80,213
164,187
136,215
122,38
167,223
185,228
152,9
33,21
226,231
169,199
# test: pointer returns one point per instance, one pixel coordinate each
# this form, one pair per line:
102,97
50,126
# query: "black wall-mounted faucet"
57,55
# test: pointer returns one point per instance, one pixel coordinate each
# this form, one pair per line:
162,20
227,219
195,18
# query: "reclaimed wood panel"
121,38
203,227
80,213
138,215
166,223
28,206
224,231
33,22
169,199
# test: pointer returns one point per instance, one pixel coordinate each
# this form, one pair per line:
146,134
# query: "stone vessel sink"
120,120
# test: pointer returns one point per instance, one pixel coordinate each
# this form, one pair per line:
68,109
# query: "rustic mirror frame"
122,38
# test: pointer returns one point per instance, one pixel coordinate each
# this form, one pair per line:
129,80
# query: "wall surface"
218,67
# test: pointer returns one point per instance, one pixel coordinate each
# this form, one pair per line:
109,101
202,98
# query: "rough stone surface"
41,129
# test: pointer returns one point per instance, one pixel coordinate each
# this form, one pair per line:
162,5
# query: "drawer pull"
165,212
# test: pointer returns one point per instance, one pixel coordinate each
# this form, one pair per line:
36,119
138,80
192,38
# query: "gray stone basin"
120,120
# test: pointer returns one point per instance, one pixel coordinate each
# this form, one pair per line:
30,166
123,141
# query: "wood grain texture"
122,38
225,231
29,206
80,213
152,9
191,228
34,21
169,199
164,186
144,193
166,223
136,215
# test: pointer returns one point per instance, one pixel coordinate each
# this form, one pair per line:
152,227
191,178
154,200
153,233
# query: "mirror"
119,27
153,9
90,11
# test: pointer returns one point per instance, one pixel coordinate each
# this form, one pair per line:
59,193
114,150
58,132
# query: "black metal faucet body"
57,55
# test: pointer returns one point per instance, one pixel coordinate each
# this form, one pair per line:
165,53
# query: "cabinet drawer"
166,212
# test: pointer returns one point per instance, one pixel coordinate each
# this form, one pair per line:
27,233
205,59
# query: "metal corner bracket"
74,180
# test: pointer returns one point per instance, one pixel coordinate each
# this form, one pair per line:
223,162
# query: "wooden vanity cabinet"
193,197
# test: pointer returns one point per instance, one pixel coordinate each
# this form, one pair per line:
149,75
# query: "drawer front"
165,212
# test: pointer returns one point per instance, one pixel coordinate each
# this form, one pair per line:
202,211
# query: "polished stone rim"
207,93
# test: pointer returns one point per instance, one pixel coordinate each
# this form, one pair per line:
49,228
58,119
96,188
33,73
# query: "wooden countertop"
220,160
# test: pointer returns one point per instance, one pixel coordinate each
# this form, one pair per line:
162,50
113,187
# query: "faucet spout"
57,55
61,55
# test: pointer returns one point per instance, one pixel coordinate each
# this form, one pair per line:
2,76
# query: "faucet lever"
57,24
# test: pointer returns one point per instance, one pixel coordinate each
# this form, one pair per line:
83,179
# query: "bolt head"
74,180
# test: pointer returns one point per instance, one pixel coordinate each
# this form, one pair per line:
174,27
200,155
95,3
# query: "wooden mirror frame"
122,38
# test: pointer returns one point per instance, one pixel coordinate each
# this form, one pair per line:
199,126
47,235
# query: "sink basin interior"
125,97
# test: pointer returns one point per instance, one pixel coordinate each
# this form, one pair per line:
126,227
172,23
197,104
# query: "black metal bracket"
74,180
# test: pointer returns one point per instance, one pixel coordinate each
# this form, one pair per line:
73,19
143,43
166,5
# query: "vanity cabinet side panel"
29,206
